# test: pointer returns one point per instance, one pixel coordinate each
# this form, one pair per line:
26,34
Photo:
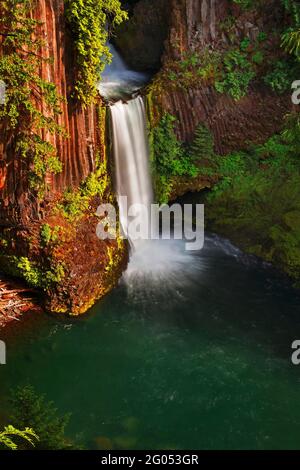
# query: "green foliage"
258,58
168,150
32,410
279,79
44,278
291,42
257,202
291,131
291,37
31,274
49,234
230,167
22,114
202,146
170,158
201,151
245,4
236,75
88,22
192,68
76,202
6,436
35,276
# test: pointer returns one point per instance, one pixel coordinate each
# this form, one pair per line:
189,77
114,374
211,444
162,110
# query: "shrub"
279,79
236,76
32,410
169,157
88,22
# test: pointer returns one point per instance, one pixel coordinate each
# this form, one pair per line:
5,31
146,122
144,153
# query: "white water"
155,265
131,153
118,81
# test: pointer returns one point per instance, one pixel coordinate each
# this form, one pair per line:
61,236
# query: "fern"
6,436
291,37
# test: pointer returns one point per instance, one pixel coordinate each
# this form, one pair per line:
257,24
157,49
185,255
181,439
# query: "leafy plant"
291,37
170,158
88,21
202,146
22,115
279,79
9,432
35,276
236,76
245,4
49,234
291,131
76,202
32,410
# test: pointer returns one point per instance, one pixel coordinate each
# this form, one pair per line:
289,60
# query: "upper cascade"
118,82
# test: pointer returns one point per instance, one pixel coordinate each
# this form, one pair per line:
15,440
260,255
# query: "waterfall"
118,81
155,265
131,154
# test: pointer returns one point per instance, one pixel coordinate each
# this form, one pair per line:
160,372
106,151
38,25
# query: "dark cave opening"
140,40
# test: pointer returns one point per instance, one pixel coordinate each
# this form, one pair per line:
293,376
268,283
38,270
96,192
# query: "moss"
88,23
50,234
31,272
257,203
75,203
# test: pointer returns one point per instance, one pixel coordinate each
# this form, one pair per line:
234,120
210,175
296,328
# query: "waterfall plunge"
156,267
131,153
118,81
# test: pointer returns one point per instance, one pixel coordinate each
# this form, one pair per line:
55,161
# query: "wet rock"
141,39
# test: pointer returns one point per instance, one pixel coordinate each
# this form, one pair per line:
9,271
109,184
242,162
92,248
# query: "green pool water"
193,357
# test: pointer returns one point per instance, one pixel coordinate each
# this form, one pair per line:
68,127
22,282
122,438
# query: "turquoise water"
194,358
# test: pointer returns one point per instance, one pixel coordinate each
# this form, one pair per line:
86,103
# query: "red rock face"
194,25
91,267
233,125
77,152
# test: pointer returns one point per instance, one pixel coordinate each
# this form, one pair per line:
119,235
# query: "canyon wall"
141,40
233,125
80,267
193,25
77,151
197,25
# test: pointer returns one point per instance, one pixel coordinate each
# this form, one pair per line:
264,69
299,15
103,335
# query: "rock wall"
89,267
195,25
141,40
76,152
233,125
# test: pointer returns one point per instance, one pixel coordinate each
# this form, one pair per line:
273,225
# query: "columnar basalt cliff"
73,267
77,151
233,125
207,28
141,40
194,24
198,26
